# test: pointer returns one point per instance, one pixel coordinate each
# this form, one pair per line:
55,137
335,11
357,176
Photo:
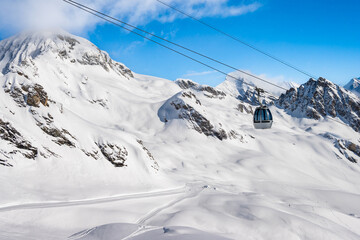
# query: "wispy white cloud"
133,45
16,15
193,73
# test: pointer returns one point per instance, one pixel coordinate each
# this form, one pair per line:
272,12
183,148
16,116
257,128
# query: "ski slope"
195,167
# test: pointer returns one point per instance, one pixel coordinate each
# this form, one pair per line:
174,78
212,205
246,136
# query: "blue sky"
320,37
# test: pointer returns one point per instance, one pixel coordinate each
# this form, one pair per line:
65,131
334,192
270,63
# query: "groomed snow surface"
289,182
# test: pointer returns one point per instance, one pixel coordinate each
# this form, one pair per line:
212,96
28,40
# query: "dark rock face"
189,94
120,69
46,123
186,84
350,150
155,165
9,134
208,91
59,135
71,41
117,155
36,95
17,95
31,95
102,59
320,98
197,120
33,99
344,145
184,105
243,108
94,153
5,163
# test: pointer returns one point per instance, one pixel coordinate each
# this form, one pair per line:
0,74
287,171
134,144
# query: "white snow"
288,182
354,86
237,78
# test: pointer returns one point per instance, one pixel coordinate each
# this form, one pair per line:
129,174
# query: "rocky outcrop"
117,155
190,95
35,95
197,120
186,84
93,153
11,136
102,59
46,123
28,94
155,165
187,105
207,90
177,108
94,57
5,163
320,98
71,41
17,95
349,149
59,135
344,145
244,108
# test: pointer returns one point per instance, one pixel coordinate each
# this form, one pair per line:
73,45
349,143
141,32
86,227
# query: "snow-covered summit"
354,86
22,49
54,85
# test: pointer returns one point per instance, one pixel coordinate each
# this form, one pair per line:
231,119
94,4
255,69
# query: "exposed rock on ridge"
319,98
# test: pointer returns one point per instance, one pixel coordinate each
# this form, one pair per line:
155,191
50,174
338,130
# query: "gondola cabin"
262,118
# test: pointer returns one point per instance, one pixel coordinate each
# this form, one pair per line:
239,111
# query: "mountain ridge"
320,98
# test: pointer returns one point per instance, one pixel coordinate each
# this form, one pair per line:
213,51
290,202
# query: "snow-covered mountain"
354,86
242,87
91,150
320,98
51,81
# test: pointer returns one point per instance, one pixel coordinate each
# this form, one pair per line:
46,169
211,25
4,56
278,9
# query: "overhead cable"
238,40
107,17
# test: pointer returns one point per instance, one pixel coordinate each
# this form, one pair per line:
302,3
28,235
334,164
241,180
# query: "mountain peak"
354,86
59,45
319,98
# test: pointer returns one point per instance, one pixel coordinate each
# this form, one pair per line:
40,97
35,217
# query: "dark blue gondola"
262,116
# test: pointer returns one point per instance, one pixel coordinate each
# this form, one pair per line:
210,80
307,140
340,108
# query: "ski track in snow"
189,191
192,192
92,201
